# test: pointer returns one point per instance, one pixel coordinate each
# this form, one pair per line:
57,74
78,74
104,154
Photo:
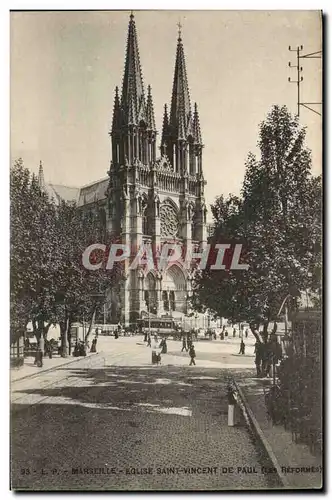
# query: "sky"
65,66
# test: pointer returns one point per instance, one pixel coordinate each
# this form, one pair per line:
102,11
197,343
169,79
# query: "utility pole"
299,79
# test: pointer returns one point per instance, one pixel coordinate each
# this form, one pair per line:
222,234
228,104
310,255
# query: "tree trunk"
64,338
91,324
265,331
255,331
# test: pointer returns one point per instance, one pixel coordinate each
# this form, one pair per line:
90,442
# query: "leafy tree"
49,284
278,218
79,290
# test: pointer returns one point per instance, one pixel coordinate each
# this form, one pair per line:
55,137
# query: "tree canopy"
277,217
49,284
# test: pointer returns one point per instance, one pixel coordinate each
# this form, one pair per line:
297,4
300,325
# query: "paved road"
114,422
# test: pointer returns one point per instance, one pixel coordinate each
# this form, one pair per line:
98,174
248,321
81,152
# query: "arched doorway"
174,289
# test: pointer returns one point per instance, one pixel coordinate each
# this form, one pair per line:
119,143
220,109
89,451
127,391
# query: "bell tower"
182,143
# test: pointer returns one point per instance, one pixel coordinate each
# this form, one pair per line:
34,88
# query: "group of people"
267,354
159,348
242,333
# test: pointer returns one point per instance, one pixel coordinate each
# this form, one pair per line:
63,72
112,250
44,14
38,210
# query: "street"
115,422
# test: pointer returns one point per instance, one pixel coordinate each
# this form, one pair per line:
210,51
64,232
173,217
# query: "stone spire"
197,136
151,124
41,180
116,123
165,131
180,106
132,97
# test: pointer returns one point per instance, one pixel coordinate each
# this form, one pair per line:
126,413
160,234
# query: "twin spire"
133,108
181,123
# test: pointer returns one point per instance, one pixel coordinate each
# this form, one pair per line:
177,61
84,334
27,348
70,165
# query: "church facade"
154,192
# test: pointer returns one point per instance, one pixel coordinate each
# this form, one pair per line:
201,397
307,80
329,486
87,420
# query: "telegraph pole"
299,79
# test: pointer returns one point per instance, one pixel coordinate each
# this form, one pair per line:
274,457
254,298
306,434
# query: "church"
154,191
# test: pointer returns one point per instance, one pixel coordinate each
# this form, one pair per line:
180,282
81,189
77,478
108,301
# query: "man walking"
184,344
242,347
192,355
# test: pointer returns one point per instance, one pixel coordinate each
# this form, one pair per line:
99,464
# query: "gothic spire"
164,134
180,106
116,123
41,180
151,124
196,127
132,97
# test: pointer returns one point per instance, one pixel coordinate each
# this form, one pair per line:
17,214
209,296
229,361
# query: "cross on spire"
179,25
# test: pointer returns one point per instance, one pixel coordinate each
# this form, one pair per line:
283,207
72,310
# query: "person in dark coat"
149,341
93,346
242,347
163,346
192,355
184,344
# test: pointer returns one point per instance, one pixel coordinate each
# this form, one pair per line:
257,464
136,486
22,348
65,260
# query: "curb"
257,431
50,369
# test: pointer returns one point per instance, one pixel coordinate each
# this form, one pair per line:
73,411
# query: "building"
150,198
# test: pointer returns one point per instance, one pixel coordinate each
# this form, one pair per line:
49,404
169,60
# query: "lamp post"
149,320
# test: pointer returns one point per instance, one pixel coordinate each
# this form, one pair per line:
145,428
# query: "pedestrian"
246,333
49,348
184,344
154,351
242,347
234,332
93,346
149,341
163,346
192,355
266,358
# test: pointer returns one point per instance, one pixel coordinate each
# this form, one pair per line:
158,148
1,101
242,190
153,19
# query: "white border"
4,200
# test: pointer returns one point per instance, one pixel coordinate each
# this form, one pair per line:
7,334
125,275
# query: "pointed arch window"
147,299
193,227
172,300
165,300
146,219
192,162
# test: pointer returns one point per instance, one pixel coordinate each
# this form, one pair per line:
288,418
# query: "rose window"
169,223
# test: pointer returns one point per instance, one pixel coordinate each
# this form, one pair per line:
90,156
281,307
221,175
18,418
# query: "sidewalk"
277,441
29,369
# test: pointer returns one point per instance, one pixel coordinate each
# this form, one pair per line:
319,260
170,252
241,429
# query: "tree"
49,284
278,218
79,290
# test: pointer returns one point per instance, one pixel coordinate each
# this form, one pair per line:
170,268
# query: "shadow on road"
166,389
129,417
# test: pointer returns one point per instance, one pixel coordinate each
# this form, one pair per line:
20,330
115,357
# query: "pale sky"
65,66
